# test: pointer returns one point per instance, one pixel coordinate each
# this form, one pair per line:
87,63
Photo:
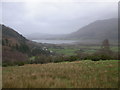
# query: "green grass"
114,48
66,51
86,49
78,74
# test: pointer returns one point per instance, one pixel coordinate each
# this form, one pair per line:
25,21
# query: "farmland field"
77,74
70,50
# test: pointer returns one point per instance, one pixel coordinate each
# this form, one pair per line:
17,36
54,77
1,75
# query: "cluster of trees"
104,53
24,48
11,57
19,53
5,42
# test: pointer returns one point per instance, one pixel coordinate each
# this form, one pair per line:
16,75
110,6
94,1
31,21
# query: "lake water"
56,41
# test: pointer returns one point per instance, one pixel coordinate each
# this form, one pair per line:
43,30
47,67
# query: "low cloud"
54,17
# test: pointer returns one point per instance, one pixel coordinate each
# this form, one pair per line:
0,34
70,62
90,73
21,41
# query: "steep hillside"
12,38
7,32
16,48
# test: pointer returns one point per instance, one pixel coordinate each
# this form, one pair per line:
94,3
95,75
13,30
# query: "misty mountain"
98,30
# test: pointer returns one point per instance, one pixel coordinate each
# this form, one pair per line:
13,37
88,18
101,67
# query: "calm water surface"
56,41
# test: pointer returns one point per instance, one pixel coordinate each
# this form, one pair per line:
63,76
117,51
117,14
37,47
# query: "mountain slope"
94,32
97,30
10,33
11,41
16,48
11,36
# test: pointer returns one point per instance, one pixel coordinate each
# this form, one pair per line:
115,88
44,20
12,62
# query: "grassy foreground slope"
78,74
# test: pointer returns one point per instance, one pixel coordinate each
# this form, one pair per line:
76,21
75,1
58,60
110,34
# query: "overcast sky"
55,17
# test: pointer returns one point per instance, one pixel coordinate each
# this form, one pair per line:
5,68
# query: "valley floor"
78,74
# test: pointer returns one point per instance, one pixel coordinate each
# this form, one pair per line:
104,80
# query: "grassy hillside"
79,74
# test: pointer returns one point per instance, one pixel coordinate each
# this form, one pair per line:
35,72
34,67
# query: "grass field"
78,74
65,51
86,49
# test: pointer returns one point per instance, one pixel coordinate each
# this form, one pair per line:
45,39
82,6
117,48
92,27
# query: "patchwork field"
70,50
78,74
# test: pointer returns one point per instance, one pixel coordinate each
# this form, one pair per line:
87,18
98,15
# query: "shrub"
105,57
58,59
95,58
73,58
24,48
4,64
20,63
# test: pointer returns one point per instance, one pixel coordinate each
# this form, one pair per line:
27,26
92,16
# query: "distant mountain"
93,32
98,30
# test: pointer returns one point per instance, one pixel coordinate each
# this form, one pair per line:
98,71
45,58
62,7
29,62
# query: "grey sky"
54,17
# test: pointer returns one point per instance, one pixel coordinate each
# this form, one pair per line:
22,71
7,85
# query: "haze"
55,17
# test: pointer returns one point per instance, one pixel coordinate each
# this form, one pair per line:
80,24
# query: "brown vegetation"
78,74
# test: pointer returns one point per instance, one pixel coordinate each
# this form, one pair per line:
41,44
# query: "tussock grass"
78,74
